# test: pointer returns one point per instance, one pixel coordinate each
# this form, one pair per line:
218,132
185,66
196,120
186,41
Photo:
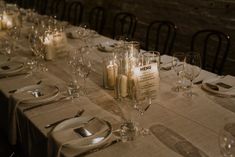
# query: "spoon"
78,114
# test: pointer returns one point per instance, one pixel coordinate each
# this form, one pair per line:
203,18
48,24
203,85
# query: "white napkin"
166,61
73,143
204,75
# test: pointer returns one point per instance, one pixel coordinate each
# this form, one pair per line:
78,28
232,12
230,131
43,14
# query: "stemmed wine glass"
178,60
192,69
73,60
227,139
85,66
38,49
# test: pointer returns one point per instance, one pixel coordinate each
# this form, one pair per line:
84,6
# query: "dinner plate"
11,68
106,47
3,59
35,94
216,86
93,140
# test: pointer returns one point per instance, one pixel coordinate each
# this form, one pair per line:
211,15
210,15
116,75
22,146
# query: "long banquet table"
197,120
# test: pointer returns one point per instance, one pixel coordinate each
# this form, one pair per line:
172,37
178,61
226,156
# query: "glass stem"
191,88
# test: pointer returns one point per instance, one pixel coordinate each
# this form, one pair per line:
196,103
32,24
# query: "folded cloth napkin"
204,75
74,143
166,61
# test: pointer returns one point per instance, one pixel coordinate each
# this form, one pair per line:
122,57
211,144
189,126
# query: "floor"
5,149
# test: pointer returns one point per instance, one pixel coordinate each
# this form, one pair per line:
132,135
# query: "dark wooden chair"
160,36
124,24
213,46
57,8
97,19
26,3
74,12
40,6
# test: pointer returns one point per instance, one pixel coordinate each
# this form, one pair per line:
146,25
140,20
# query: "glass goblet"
192,69
72,60
178,59
227,139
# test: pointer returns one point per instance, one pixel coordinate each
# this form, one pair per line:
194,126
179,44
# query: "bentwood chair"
213,46
124,24
74,12
26,3
57,8
97,19
160,36
40,6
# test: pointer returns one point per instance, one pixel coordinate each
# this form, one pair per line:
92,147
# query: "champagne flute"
192,69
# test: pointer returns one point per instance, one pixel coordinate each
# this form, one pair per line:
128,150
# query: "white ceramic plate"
75,122
11,67
223,92
38,93
3,59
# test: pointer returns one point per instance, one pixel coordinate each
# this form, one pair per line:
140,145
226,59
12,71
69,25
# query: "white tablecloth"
197,119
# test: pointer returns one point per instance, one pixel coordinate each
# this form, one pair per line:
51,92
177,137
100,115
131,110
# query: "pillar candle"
112,70
123,86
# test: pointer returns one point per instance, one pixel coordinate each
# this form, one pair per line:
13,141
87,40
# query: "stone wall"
189,16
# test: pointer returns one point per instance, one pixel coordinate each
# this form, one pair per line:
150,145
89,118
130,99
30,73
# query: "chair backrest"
124,24
27,3
58,8
40,6
74,12
97,19
160,36
213,46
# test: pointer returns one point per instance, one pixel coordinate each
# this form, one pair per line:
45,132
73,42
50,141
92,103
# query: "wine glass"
85,66
178,60
7,48
192,69
227,139
72,60
38,49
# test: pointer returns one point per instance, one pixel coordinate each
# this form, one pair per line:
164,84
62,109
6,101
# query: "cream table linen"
198,120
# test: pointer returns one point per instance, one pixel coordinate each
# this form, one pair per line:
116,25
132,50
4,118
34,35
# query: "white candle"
112,70
50,52
1,24
49,47
7,20
123,86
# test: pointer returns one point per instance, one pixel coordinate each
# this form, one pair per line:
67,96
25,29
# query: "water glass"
227,139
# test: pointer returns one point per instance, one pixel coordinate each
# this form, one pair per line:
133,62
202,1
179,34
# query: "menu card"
146,80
